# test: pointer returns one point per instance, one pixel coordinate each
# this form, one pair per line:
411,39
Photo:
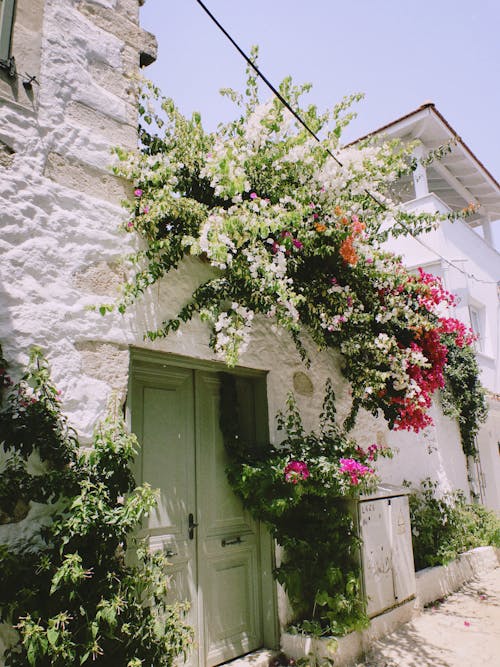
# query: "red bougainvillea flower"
295,471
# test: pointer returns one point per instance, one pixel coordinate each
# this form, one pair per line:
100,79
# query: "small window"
6,21
477,327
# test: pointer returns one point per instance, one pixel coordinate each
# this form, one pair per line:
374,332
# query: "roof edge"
432,108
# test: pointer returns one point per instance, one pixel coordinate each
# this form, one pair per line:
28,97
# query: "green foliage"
305,510
75,584
463,397
444,527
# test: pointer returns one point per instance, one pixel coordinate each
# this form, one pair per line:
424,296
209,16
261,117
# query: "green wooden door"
215,564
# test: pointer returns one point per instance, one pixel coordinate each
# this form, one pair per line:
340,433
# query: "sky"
399,53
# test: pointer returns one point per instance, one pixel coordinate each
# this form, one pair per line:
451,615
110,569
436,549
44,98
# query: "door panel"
228,540
168,464
176,416
229,606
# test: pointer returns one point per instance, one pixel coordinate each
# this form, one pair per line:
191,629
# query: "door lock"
191,525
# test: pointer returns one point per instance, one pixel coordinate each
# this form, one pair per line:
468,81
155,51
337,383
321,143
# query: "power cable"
297,116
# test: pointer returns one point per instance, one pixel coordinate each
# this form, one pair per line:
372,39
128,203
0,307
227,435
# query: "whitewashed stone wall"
59,204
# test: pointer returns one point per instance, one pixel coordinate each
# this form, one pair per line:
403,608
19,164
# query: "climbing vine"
72,582
463,397
299,491
293,236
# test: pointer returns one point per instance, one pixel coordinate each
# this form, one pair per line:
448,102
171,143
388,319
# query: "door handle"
191,526
227,543
169,553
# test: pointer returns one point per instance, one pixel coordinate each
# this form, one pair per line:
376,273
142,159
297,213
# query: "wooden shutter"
6,21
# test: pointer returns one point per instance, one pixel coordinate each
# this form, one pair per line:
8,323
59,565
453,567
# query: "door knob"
191,525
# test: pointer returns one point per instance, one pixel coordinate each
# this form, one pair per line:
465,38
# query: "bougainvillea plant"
292,235
299,489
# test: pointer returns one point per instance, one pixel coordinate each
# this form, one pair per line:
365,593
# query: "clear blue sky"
400,53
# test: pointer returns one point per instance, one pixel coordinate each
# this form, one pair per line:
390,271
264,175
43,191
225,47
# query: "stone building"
66,98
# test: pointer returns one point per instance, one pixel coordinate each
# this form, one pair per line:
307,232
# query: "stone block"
119,134
6,155
29,13
102,279
122,27
112,79
87,179
129,8
106,362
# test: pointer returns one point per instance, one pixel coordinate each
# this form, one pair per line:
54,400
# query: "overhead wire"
313,134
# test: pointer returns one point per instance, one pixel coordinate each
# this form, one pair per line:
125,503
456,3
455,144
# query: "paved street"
461,631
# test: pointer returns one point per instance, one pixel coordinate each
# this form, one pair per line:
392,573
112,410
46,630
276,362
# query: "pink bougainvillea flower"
298,244
253,195
355,470
130,224
138,192
295,471
145,209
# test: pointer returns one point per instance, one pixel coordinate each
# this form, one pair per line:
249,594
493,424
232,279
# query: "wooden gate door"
199,523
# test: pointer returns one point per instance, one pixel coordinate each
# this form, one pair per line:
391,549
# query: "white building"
462,254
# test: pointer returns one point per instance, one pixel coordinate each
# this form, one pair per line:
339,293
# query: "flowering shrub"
295,236
445,526
297,489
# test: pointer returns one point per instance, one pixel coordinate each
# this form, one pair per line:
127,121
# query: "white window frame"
476,317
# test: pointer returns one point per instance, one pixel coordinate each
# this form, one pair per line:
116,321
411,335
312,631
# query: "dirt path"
461,631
